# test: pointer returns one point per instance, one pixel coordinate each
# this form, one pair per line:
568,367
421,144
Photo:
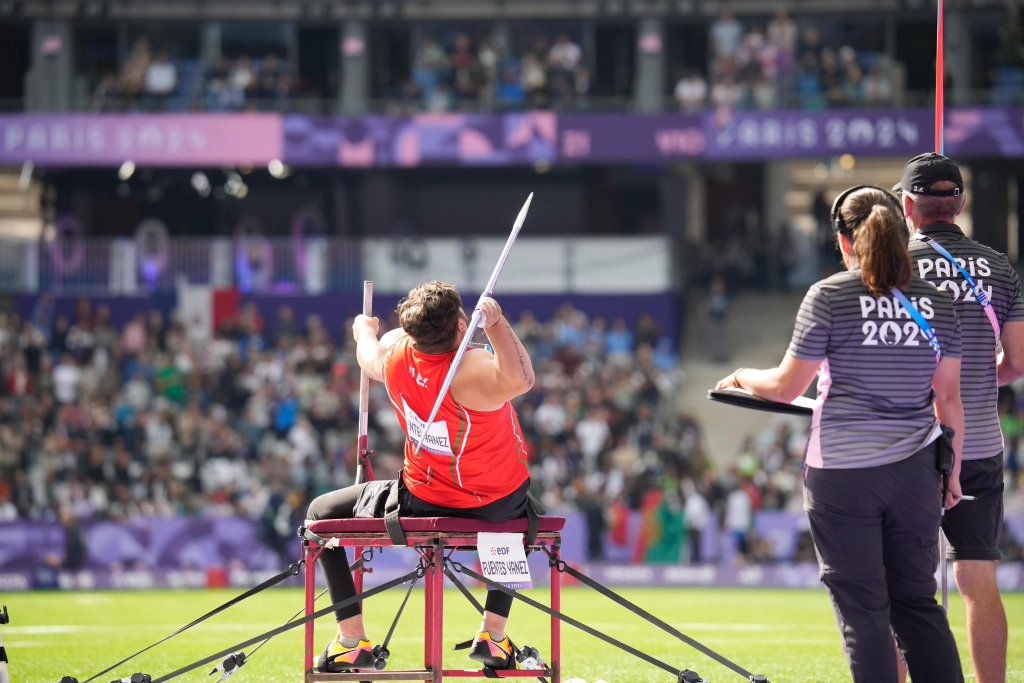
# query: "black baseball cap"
925,169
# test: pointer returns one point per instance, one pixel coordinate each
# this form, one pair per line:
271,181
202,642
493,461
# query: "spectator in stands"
429,65
269,81
727,94
782,35
66,377
42,315
134,71
241,81
563,60
718,314
564,56
691,91
8,511
726,35
465,73
161,81
106,96
534,80
698,519
75,551
489,59
739,515
217,86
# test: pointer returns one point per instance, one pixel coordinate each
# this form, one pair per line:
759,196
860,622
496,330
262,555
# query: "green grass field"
788,635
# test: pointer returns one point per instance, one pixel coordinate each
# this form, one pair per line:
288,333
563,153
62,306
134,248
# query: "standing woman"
887,346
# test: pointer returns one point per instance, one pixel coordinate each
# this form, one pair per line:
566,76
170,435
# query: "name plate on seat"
503,559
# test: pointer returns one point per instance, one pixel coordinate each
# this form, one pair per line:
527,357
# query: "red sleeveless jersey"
469,457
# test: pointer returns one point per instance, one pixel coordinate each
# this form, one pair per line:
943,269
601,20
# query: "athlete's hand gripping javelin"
490,312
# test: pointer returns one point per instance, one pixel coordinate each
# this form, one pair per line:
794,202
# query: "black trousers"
876,533
368,498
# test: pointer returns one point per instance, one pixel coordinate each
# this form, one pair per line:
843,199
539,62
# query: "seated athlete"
472,462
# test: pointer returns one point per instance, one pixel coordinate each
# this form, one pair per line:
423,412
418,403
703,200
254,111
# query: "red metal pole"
364,470
556,624
310,585
940,80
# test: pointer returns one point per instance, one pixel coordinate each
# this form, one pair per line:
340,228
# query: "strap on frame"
391,521
415,573
644,614
681,675
292,570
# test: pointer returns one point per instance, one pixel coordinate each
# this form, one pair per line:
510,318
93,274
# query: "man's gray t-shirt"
875,394
982,435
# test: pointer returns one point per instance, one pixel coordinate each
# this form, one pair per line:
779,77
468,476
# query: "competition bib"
436,440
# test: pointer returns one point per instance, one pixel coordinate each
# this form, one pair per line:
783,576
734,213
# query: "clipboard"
745,399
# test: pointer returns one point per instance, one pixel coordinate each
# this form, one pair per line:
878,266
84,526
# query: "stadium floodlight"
235,186
127,170
201,184
278,170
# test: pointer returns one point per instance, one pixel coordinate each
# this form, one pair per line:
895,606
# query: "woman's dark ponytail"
879,240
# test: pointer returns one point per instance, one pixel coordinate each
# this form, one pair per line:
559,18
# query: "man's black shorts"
972,527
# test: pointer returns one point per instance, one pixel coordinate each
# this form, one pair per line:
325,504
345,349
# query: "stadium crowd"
150,80
750,65
783,64
148,420
488,75
753,62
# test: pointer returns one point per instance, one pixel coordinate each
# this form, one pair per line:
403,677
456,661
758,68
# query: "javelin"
363,467
475,320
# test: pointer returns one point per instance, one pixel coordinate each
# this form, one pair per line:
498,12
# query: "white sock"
350,641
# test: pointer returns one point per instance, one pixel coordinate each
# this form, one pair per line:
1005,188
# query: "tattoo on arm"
519,349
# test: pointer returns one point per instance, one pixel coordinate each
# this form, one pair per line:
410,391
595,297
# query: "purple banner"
424,140
499,139
151,139
644,138
632,138
229,551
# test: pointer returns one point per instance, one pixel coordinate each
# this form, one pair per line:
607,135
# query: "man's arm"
950,412
485,381
1011,364
370,351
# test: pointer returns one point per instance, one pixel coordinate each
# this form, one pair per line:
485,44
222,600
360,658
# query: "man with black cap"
987,296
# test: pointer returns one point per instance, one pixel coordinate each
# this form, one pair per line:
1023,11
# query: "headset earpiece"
836,218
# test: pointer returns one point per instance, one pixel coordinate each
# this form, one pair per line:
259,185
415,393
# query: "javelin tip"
520,219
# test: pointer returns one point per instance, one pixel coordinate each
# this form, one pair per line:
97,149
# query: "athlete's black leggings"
341,504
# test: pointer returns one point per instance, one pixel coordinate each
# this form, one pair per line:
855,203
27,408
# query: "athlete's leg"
986,618
972,528
496,610
334,563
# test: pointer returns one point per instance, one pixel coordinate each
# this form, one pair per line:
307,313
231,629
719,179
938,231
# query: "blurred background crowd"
778,60
104,422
